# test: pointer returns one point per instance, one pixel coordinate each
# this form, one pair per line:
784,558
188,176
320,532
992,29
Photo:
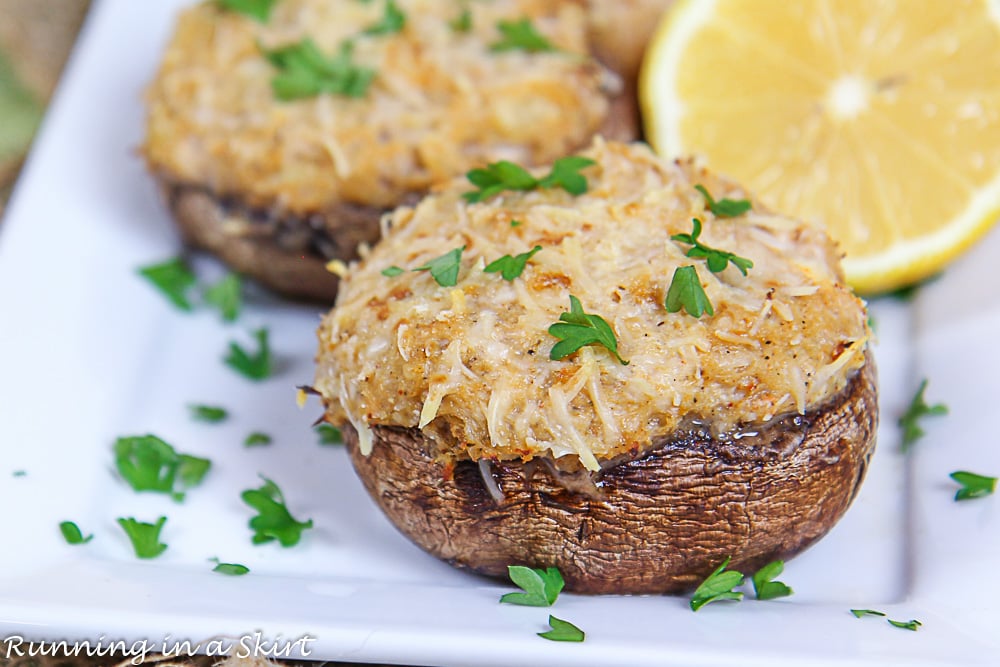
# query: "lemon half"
876,119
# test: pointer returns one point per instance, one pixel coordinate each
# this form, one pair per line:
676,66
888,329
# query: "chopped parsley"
256,366
329,435
763,585
724,208
562,631
973,485
20,473
917,410
911,624
444,269
393,20
231,569
577,328
208,413
303,71
511,267
392,271
173,278
72,534
718,586
541,587
273,520
686,292
226,296
463,22
859,613
717,260
520,35
145,537
256,439
148,463
255,9
497,177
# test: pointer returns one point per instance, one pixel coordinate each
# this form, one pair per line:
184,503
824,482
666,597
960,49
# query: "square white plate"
89,352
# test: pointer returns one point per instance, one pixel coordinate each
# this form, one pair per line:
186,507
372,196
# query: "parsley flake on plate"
917,410
763,585
256,439
329,435
562,631
148,463
718,586
174,279
231,569
304,71
255,9
541,587
860,613
511,267
72,534
577,328
686,292
911,624
444,269
145,537
724,208
973,485
226,296
393,20
255,366
208,413
498,177
273,520
520,35
717,260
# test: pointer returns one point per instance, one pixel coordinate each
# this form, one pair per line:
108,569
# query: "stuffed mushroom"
630,378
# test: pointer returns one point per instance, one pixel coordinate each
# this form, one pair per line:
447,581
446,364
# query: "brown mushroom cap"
656,523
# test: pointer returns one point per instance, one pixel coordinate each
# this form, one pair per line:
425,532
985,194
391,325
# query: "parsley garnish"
562,631
577,328
208,413
173,278
444,269
763,586
393,20
858,613
511,267
516,223
232,569
148,463
724,208
541,587
257,438
145,537
463,22
329,435
686,291
717,260
227,296
392,271
911,624
499,176
520,36
973,485
255,366
917,410
256,9
71,533
718,586
273,520
305,72
20,473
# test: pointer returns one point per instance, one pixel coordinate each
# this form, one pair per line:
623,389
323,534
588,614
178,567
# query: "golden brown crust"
662,521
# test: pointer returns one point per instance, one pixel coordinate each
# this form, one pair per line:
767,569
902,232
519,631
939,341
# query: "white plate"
90,352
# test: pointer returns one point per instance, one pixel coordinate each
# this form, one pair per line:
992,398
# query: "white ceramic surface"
89,352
